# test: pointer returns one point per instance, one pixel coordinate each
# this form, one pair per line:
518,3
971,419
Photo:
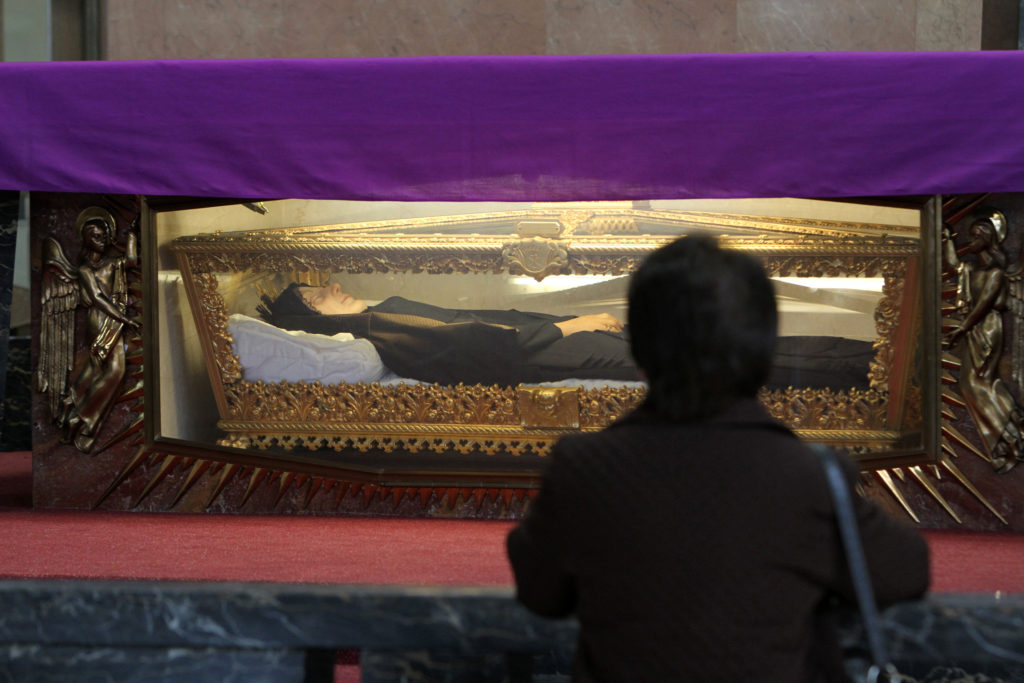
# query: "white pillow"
271,354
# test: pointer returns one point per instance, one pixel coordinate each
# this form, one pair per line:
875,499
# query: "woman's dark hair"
286,305
703,324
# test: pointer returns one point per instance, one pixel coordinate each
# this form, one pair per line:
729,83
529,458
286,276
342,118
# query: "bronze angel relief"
986,289
82,386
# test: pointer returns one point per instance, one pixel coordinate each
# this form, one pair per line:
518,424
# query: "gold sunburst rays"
315,486
169,477
922,477
141,454
195,473
286,479
163,466
164,481
950,467
168,464
952,435
255,479
885,476
952,398
133,429
227,473
341,490
951,439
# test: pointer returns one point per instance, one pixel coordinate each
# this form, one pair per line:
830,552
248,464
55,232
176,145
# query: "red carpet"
60,544
972,562
71,544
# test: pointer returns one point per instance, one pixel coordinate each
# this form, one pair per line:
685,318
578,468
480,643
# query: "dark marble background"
16,408
8,239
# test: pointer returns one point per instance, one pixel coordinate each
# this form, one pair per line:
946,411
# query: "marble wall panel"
640,26
169,29
16,410
8,239
799,25
948,25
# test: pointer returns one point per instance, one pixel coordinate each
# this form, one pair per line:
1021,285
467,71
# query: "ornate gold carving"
485,417
824,409
806,263
211,307
609,225
439,438
82,386
489,419
535,256
600,407
300,402
574,219
888,316
539,228
913,418
549,407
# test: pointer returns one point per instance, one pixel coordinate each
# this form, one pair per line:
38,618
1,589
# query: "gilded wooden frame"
522,419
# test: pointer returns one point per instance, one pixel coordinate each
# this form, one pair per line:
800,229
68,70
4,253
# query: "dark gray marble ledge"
982,635
957,637
256,615
59,664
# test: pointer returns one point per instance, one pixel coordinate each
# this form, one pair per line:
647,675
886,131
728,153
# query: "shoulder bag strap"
881,668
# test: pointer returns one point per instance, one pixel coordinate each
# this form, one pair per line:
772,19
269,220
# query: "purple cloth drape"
519,128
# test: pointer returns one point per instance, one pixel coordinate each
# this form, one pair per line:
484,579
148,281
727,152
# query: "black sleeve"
535,336
470,353
534,330
536,551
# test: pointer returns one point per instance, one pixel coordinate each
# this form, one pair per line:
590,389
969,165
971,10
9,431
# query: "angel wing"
59,299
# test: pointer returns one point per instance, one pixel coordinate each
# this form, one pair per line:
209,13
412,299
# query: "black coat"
448,346
700,551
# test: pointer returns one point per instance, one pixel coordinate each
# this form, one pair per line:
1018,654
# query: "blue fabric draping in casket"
519,128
